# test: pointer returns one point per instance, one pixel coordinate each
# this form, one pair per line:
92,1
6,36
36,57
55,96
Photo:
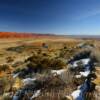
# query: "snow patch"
83,61
16,75
58,72
28,81
85,74
36,94
78,76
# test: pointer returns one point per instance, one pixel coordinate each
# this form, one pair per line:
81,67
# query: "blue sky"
74,17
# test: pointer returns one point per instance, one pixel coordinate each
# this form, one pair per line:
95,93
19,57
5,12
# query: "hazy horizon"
62,17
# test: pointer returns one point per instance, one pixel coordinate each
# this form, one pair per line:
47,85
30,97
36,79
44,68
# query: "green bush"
44,62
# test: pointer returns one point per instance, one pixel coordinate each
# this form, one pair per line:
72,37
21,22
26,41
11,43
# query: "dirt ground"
7,43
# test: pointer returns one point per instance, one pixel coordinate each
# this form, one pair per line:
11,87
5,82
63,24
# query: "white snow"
58,72
36,94
16,75
85,74
75,64
83,61
78,76
28,81
76,94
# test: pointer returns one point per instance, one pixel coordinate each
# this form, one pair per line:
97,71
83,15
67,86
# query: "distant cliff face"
13,35
21,35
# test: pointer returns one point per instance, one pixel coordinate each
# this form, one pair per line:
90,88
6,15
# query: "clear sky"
51,16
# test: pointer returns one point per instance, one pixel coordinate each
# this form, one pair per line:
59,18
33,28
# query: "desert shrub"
17,70
53,82
64,98
85,53
6,97
66,53
78,81
45,54
31,65
90,96
65,47
9,59
40,62
95,56
62,53
4,67
16,64
57,64
56,82
39,51
45,63
5,83
34,58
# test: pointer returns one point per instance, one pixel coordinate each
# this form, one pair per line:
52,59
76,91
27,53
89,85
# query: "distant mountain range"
22,35
37,35
83,36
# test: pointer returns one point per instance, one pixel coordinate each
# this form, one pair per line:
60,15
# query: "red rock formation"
21,35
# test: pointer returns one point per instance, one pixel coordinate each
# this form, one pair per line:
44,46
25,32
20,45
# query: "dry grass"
97,73
59,47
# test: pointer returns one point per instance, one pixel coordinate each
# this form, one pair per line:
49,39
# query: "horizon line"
45,33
